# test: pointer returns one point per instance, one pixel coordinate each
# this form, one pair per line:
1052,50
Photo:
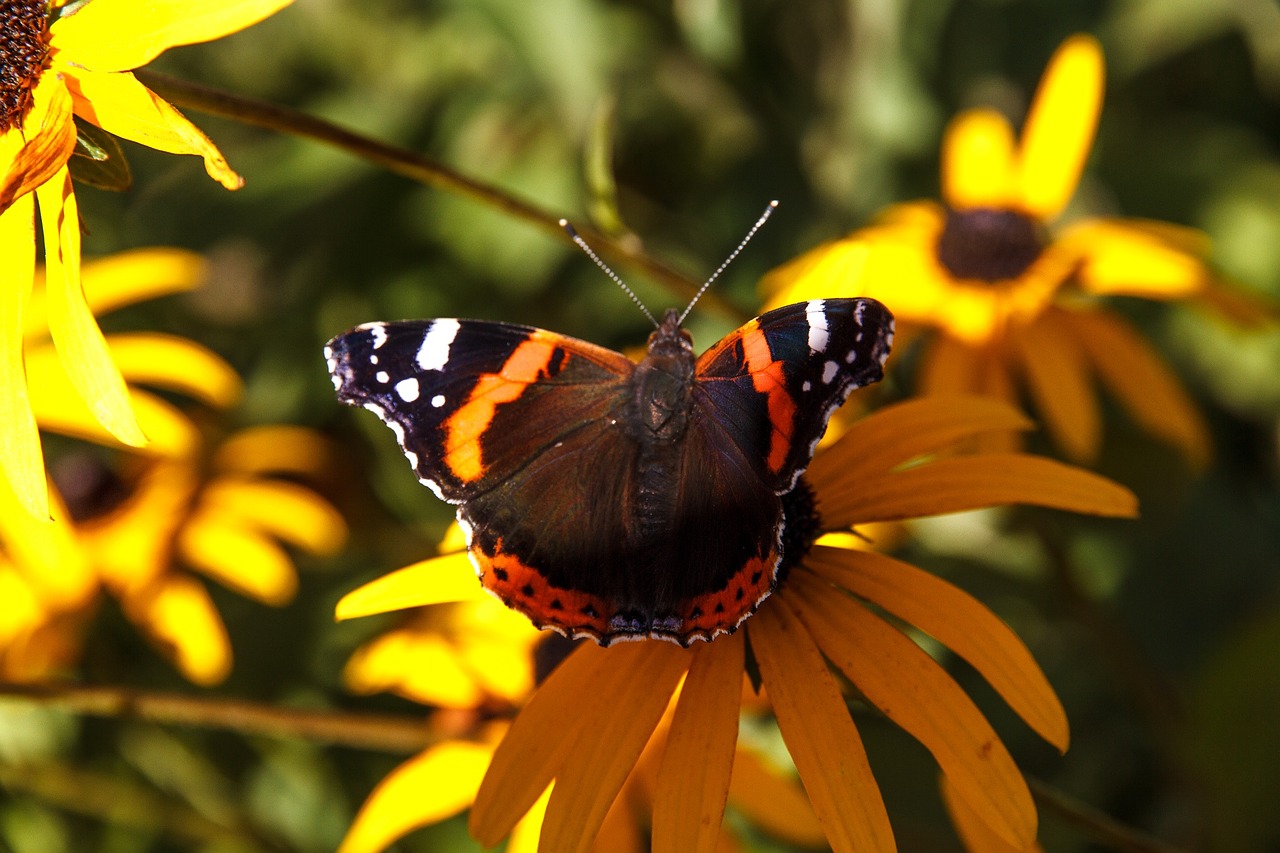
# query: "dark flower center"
801,526
24,45
989,244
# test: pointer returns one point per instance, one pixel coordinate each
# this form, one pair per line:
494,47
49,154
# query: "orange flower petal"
119,104
75,332
1058,376
115,35
284,510
693,780
638,684
774,803
978,836
956,620
1060,125
430,787
913,691
435,581
45,145
1141,383
20,456
900,433
175,364
948,366
978,165
973,482
818,731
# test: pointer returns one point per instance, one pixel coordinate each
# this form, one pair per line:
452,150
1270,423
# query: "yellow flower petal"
824,271
693,781
956,620
533,750
435,581
913,691
978,836
430,787
284,510
277,448
978,166
117,35
524,838
1135,258
180,618
238,557
973,482
1141,383
902,432
20,456
419,665
1060,125
38,152
818,732
1057,374
639,682
776,805
75,332
119,104
175,364
46,551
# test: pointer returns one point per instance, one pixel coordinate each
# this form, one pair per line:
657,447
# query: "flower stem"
410,165
1093,823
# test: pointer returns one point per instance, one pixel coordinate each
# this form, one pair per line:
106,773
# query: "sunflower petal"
976,833
978,165
1058,375
639,683
974,482
693,780
420,665
436,581
238,558
20,455
818,732
284,510
125,278
119,104
902,432
175,364
913,691
278,448
46,552
542,735
774,803
1060,125
75,332
825,270
181,620
956,620
118,35
1142,384
169,431
1123,257
39,158
428,788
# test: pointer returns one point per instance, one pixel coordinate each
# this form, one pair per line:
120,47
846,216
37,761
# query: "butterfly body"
606,498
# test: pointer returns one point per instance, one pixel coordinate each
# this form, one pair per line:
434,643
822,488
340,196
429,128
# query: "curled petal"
956,620
693,780
36,154
175,364
913,691
435,581
285,510
1060,125
978,165
818,732
430,787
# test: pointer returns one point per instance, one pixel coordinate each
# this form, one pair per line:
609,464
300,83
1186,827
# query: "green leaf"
98,159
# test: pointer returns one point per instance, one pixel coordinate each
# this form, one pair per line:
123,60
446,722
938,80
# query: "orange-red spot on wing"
722,610
523,588
768,378
463,430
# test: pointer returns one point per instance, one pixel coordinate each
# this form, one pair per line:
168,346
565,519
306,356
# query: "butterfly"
611,499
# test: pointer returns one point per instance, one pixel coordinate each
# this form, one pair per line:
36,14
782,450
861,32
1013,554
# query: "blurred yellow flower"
61,61
587,725
1011,302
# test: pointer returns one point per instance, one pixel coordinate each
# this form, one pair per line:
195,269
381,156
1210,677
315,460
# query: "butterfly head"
670,338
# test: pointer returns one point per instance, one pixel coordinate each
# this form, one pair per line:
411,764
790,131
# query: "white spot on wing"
382,376
379,333
829,371
408,389
807,386
434,352
816,314
437,401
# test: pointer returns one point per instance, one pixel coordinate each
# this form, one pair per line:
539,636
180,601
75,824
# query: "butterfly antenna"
768,211
582,244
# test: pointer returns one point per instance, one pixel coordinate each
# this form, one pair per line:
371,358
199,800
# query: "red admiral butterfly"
605,498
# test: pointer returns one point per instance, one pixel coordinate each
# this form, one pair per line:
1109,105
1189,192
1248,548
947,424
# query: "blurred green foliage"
702,110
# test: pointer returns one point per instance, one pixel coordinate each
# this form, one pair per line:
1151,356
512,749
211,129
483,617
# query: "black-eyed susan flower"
1013,300
583,731
60,61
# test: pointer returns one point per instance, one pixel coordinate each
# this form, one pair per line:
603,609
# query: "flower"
1009,300
60,61
588,724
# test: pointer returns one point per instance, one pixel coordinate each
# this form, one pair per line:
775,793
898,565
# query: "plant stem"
1093,823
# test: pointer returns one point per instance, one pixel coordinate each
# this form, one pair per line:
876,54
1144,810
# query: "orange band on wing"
768,378
463,430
